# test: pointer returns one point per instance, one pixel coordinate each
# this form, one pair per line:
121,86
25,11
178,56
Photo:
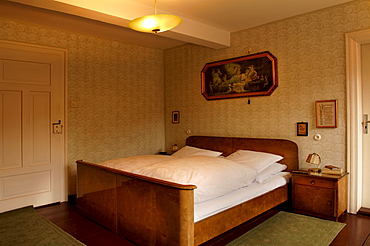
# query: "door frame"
64,167
354,40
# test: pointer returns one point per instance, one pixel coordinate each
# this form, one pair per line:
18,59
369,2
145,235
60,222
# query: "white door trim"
354,41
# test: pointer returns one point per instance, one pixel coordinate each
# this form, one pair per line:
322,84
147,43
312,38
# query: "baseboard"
364,211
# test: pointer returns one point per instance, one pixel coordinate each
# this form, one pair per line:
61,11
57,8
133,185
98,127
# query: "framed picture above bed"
245,76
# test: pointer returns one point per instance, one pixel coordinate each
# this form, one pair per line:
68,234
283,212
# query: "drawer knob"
313,182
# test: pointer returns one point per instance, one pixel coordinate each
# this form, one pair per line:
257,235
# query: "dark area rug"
25,226
285,229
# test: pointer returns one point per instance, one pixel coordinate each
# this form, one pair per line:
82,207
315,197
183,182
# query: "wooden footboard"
213,226
144,210
97,195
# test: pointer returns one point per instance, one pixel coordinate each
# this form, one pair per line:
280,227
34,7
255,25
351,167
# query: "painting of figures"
247,76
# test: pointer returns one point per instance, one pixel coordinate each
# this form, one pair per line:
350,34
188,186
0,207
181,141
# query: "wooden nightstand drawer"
316,182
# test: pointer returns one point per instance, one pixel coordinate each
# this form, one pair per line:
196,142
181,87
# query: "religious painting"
246,76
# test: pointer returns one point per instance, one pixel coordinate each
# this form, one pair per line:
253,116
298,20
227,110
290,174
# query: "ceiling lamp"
155,23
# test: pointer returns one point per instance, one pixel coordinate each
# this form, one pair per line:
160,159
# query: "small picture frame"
175,117
302,128
327,114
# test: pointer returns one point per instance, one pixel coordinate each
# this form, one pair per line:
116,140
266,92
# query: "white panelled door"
32,82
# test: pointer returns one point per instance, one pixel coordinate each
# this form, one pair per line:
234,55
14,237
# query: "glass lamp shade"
155,23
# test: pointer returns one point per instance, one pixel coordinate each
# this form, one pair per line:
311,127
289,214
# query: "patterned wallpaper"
310,50
118,89
121,90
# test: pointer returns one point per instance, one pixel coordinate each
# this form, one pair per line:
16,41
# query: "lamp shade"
155,23
175,148
314,159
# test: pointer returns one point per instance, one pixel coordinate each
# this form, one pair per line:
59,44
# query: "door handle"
57,127
365,127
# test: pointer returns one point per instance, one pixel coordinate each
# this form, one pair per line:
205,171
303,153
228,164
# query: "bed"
152,211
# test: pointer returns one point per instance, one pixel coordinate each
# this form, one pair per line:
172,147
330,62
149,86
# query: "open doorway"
355,164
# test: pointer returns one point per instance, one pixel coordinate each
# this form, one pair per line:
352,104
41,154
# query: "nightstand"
323,196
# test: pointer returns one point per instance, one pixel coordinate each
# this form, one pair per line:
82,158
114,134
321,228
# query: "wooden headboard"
228,145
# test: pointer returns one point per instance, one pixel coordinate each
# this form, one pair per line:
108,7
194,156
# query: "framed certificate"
327,113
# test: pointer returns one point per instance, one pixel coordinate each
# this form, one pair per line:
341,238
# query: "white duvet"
135,162
213,176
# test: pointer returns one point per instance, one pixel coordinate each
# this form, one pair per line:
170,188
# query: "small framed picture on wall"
302,129
327,113
175,117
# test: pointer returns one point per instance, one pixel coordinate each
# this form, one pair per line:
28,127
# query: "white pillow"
269,171
254,159
193,151
213,176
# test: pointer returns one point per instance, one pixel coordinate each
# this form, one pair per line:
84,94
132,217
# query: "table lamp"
314,159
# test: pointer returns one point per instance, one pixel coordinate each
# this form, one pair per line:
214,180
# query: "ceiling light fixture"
155,23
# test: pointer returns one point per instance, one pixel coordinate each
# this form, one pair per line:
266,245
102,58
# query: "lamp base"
314,171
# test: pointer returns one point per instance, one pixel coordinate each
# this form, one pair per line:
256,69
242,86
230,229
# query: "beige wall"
310,50
118,89
120,95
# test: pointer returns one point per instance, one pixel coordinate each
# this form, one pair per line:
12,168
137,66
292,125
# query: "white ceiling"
236,15
205,22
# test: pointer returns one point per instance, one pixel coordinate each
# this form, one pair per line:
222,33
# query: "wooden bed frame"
149,211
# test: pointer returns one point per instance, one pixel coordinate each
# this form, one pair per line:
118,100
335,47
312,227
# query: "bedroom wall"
118,89
120,95
310,50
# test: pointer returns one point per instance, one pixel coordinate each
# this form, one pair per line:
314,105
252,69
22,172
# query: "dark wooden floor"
64,215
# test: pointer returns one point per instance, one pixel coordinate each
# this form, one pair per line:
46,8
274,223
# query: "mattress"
207,209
